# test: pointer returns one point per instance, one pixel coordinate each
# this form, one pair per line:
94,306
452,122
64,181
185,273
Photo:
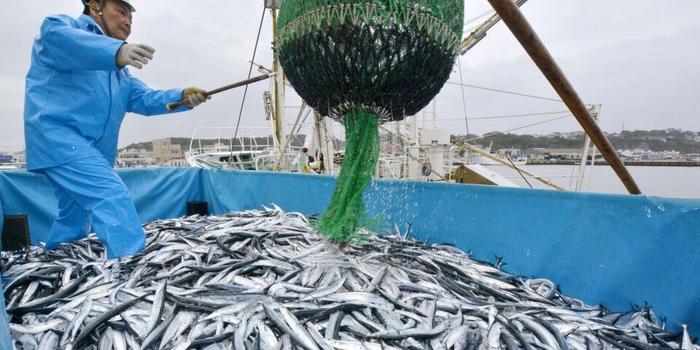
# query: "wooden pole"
172,106
519,26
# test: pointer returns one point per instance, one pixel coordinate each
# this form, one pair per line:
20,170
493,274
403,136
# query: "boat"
609,249
518,160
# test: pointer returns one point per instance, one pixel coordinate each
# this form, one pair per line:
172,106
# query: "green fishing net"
365,62
346,209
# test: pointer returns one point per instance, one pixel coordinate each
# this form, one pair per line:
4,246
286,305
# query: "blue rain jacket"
2,222
76,95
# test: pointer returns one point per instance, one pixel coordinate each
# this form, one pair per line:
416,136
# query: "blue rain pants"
90,193
75,101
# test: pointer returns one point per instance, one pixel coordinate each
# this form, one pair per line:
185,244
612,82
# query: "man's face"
117,18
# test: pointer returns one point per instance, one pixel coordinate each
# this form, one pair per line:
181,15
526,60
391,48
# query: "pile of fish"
266,280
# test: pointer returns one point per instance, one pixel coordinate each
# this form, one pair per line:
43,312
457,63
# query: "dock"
679,163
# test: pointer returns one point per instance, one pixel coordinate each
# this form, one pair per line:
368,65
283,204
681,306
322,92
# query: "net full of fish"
265,280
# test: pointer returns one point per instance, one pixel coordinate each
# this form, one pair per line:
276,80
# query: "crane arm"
480,32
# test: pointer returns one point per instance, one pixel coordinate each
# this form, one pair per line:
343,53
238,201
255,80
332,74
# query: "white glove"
136,55
193,96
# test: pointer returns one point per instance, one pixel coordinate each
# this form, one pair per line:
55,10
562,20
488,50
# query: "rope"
426,165
521,127
250,71
518,170
508,116
464,95
477,17
506,92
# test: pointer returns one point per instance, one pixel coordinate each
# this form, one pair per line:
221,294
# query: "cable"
464,95
538,123
477,17
426,165
506,92
518,170
245,92
508,116
522,127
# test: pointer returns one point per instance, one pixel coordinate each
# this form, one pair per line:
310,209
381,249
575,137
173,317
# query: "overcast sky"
639,59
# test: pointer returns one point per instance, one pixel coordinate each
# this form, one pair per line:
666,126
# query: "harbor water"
672,182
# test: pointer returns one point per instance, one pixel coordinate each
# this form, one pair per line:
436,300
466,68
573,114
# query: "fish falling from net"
363,63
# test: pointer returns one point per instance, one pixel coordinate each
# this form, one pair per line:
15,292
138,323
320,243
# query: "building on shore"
510,152
693,157
6,158
641,154
135,157
164,151
10,161
554,153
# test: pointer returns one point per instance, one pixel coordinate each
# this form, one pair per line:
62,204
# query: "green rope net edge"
449,11
371,13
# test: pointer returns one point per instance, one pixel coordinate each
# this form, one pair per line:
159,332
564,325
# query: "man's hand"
136,55
193,96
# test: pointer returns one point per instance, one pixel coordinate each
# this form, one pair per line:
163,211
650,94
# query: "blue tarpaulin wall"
609,249
5,341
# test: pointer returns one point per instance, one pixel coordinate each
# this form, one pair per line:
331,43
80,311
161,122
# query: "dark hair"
86,8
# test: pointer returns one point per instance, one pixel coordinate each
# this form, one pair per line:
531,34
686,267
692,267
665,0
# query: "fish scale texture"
266,280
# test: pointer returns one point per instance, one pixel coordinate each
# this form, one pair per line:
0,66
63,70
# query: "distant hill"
654,140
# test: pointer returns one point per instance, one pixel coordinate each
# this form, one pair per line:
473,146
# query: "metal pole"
319,143
291,134
277,126
479,33
519,26
595,112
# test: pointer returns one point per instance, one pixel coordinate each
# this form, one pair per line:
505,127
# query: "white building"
641,154
554,153
164,151
135,157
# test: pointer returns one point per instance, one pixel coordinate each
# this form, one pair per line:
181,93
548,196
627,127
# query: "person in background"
300,162
315,162
78,90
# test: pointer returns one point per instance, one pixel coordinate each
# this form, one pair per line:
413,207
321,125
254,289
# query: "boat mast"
480,32
278,90
595,112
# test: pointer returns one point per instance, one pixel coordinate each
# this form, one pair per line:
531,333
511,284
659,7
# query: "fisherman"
300,162
78,90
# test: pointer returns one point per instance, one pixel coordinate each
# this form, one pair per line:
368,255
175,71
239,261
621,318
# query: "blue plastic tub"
610,249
